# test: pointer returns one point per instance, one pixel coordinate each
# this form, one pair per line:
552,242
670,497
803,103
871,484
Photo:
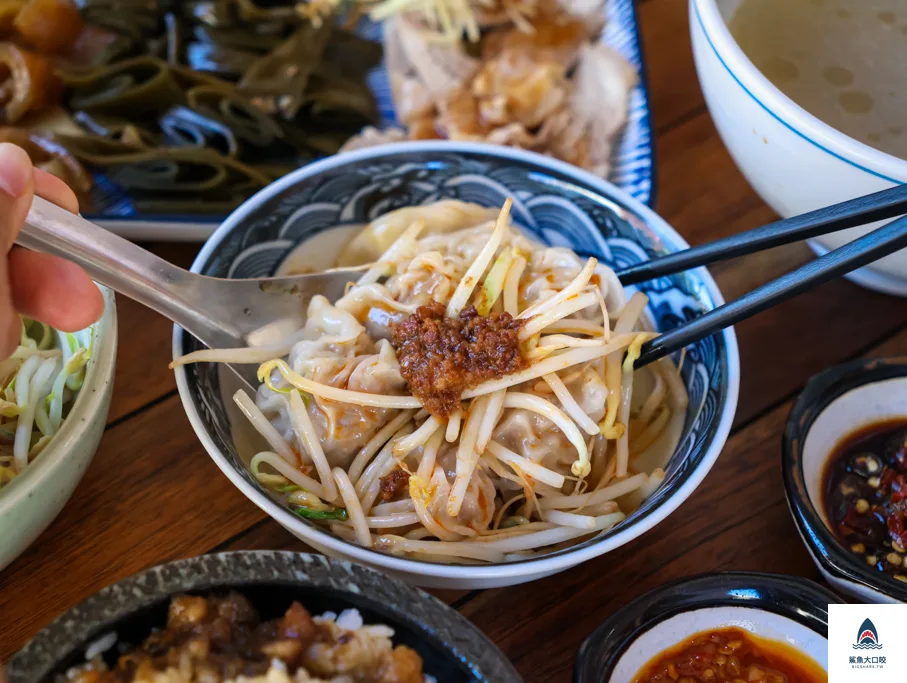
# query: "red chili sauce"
730,655
865,495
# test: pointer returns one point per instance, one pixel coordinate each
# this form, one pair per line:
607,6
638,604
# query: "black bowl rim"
820,391
795,598
420,611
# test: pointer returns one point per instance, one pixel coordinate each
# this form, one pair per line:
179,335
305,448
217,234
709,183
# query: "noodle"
493,411
539,405
264,427
534,470
512,461
572,305
512,286
418,438
302,423
392,521
570,291
394,507
374,445
286,470
466,456
569,404
353,509
474,272
608,493
453,426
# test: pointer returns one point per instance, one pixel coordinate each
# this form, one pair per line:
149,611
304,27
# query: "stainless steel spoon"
220,313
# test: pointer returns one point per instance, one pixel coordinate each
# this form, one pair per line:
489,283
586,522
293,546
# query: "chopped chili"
865,486
727,656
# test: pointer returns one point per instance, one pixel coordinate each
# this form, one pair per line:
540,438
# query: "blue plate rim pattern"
634,168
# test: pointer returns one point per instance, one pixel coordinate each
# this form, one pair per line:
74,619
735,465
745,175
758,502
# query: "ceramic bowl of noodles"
466,413
49,432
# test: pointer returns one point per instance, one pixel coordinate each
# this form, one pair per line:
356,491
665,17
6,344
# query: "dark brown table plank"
706,197
674,93
269,535
151,494
144,347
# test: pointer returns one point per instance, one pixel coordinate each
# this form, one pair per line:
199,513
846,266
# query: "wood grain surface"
141,501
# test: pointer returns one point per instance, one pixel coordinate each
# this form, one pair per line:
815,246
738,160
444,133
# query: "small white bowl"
833,405
786,609
30,502
794,161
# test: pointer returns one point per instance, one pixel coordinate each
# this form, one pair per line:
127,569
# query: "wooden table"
152,494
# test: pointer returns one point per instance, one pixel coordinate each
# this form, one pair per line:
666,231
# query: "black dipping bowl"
882,383
794,598
452,649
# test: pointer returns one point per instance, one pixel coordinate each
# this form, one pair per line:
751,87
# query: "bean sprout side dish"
39,383
471,398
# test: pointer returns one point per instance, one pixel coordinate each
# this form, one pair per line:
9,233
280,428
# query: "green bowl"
32,500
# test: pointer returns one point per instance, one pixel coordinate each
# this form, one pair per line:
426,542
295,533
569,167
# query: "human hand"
40,286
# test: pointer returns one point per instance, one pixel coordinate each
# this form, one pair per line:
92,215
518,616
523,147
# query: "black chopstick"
864,250
874,207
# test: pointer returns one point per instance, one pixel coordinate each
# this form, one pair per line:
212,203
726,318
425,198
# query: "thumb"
16,187
17,184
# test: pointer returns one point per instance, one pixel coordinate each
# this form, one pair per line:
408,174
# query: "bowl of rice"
260,617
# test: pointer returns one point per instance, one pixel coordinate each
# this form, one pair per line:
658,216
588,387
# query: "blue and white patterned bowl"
633,165
558,205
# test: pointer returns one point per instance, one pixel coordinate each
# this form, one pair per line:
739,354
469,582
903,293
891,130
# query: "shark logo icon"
867,637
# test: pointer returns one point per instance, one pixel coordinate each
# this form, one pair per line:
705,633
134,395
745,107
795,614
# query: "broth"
841,60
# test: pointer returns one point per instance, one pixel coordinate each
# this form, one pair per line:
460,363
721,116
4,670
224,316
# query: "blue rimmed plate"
633,165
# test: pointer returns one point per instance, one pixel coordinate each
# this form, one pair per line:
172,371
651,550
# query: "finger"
54,291
17,184
15,198
10,327
51,188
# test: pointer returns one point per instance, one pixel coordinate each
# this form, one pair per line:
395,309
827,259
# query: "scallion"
337,514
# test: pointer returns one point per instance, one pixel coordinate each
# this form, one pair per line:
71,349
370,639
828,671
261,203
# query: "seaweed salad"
188,105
